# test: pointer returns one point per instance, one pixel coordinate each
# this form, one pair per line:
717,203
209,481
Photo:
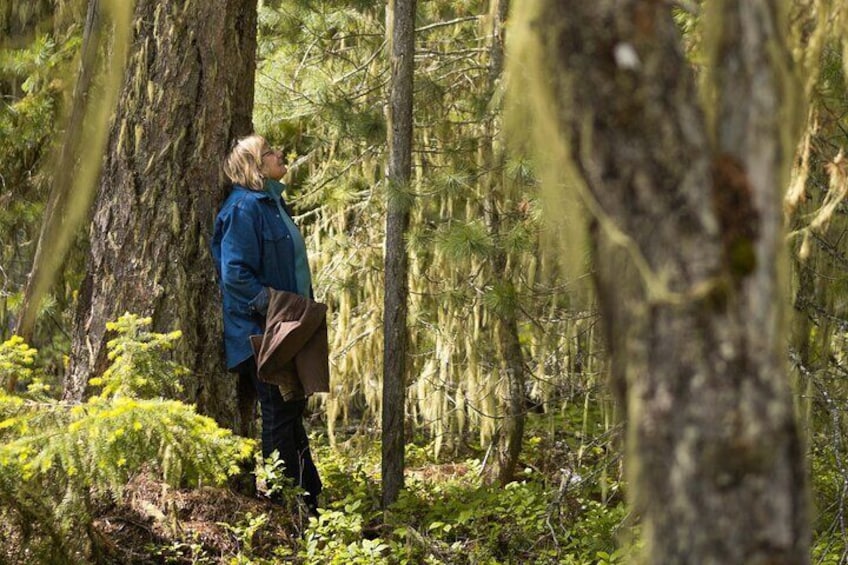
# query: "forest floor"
156,524
153,523
565,506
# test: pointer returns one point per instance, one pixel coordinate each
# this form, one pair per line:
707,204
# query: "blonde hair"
244,163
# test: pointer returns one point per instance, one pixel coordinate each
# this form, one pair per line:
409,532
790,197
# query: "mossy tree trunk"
401,35
697,333
187,92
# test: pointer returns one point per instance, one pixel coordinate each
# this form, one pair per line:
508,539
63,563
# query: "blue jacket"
252,250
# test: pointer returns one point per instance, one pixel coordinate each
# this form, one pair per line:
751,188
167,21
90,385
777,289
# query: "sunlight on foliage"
138,368
16,360
57,458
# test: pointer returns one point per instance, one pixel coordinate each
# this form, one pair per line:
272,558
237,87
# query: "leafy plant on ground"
447,515
58,459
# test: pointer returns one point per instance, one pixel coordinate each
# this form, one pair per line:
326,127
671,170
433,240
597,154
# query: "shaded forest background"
491,247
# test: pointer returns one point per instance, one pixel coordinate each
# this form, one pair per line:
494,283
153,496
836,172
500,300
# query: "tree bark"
401,34
697,333
187,92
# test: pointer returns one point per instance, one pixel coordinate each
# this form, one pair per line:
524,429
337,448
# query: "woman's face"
273,164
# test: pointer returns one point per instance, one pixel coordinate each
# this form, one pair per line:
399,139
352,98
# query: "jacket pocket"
273,228
277,259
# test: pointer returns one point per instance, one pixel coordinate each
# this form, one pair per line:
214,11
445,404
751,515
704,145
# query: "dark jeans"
283,431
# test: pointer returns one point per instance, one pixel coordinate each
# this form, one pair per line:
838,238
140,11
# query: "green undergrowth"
447,514
828,477
61,461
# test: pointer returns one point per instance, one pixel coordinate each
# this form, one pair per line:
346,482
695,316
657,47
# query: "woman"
257,246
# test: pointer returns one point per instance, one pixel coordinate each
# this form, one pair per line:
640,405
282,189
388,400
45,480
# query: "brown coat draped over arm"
293,353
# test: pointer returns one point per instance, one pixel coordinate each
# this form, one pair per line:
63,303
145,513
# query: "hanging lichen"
320,95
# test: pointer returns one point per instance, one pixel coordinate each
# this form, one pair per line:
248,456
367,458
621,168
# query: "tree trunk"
401,33
54,237
697,334
187,92
510,436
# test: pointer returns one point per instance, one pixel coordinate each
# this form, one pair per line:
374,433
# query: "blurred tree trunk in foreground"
40,37
692,212
187,92
85,130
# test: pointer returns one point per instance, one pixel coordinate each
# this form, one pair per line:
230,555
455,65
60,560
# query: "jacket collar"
244,191
257,194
